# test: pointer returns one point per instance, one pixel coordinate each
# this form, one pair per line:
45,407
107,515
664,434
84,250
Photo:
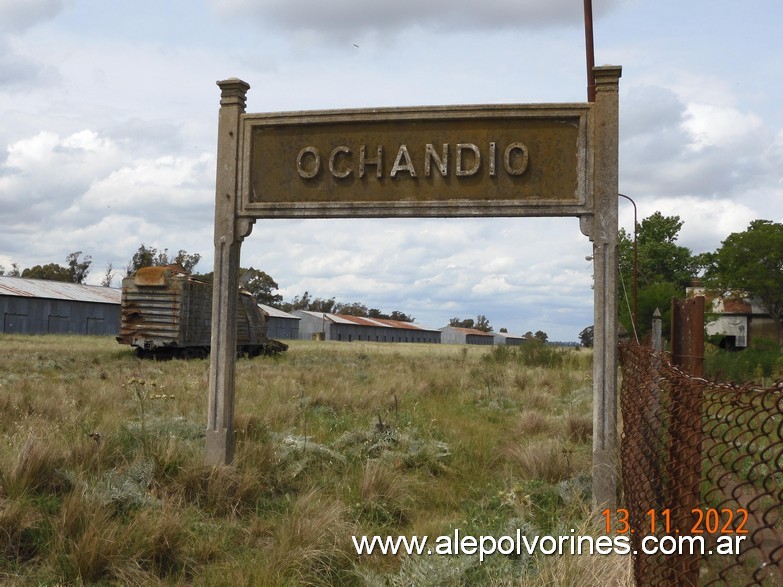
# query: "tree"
184,259
298,303
395,315
13,272
400,316
78,270
750,264
262,286
147,256
586,336
321,305
664,270
541,335
259,284
108,277
75,272
306,302
480,323
352,309
50,271
143,257
466,323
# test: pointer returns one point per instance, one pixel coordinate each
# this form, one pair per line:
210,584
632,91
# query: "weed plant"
102,479
761,363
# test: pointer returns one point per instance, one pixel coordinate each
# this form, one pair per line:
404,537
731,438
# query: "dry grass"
546,459
387,494
610,570
102,477
533,423
311,542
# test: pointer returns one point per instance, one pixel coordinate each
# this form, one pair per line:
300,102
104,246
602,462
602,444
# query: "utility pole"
589,50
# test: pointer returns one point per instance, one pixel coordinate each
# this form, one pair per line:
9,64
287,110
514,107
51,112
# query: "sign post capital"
233,92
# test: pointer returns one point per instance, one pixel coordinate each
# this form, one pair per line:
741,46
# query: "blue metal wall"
25,315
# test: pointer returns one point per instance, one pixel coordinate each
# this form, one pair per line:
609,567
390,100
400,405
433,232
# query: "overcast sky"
109,120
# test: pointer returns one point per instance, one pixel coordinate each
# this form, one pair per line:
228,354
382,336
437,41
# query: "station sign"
452,161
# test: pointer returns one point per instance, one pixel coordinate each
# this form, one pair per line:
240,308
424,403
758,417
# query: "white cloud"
722,127
352,15
670,147
44,172
166,188
18,15
85,191
706,222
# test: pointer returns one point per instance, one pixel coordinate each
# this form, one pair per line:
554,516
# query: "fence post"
688,335
657,331
685,428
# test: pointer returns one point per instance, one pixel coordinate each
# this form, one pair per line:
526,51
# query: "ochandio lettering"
343,161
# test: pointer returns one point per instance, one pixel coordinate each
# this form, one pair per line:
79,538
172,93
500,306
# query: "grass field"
102,478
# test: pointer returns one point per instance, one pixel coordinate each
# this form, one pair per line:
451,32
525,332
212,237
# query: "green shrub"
761,361
535,353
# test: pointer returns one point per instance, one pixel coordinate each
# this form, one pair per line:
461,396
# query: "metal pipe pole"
635,262
589,51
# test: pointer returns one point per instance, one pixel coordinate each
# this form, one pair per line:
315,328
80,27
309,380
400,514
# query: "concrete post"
604,237
225,287
657,331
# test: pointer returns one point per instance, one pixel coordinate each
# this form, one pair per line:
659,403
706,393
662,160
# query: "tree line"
75,269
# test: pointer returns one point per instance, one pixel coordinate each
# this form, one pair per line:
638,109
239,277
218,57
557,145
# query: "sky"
109,114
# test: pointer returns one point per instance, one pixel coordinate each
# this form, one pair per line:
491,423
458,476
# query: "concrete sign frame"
375,153
463,161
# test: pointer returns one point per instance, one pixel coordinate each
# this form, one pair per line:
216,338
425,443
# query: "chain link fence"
702,464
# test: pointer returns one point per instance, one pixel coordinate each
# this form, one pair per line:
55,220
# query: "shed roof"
58,290
730,304
472,331
275,313
507,336
370,322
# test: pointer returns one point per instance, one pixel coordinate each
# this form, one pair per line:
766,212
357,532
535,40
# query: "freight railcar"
168,313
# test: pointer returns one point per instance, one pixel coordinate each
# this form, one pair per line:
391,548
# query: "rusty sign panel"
468,161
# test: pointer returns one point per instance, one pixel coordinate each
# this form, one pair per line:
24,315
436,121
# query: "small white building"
738,320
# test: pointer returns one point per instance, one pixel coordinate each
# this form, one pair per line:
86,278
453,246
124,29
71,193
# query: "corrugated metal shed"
508,339
38,306
349,328
58,290
280,325
456,335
